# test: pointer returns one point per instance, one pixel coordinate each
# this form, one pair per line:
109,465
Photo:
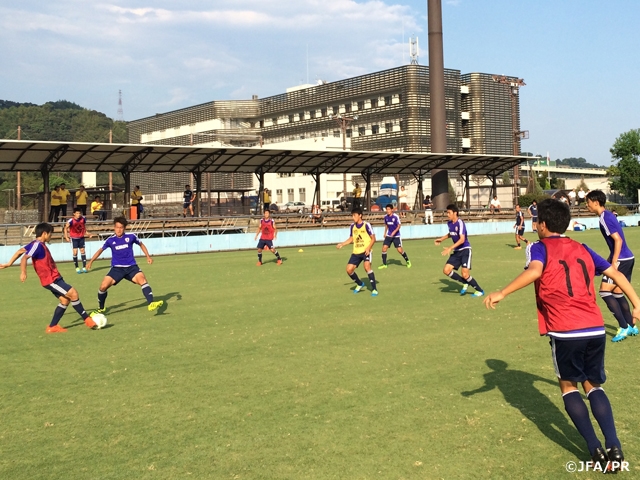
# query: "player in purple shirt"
123,264
392,235
621,258
459,253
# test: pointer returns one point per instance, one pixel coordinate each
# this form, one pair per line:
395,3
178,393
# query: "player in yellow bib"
362,236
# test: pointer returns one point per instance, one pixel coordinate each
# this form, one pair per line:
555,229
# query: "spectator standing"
427,203
136,200
357,194
494,205
572,197
188,198
266,199
64,195
581,196
81,200
56,198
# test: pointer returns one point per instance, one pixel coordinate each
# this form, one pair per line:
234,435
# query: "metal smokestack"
439,178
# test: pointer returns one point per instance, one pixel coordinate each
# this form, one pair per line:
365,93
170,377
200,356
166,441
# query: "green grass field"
280,372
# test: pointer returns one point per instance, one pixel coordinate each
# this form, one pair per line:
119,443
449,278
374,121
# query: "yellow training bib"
361,238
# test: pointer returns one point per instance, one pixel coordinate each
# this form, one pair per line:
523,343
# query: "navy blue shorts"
521,231
186,204
118,273
461,258
265,243
357,258
397,242
77,242
625,267
534,219
59,287
579,359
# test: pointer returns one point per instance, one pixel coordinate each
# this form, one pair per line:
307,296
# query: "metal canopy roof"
105,157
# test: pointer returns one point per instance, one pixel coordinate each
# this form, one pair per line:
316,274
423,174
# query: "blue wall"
292,238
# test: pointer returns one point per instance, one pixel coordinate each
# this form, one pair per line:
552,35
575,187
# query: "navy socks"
102,297
579,414
57,314
601,409
614,307
372,279
354,277
148,294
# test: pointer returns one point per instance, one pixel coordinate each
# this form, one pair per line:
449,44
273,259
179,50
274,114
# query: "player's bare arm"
447,251
346,242
66,232
146,253
530,275
617,248
438,241
94,258
13,259
23,269
373,241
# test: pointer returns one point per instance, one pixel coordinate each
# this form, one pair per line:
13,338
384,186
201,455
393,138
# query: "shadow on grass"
393,261
450,286
519,392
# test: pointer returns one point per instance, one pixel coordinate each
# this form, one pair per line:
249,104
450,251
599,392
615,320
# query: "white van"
330,205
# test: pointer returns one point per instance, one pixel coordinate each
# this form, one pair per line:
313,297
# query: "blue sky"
579,58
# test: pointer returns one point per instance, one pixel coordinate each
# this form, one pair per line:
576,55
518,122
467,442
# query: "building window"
375,129
388,127
336,133
303,194
361,105
374,102
387,100
349,133
274,120
312,114
279,196
347,107
290,194
301,115
335,109
361,131
290,118
323,112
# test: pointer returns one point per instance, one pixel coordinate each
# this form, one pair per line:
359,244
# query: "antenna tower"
414,50
120,117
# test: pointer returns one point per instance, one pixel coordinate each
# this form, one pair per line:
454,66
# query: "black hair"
597,196
97,196
43,228
121,220
453,207
77,209
389,206
187,186
137,187
534,201
555,214
356,210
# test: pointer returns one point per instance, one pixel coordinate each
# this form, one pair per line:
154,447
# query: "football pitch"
281,372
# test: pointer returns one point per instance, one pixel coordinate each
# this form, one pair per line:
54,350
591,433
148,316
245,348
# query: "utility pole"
438,118
19,179
343,122
110,173
514,84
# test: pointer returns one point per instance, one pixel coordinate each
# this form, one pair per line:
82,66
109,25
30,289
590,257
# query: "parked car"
299,207
330,205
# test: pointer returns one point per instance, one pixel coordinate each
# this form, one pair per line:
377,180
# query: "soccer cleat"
463,291
620,335
279,262
615,455
56,329
89,322
382,266
358,288
98,310
632,330
78,270
517,248
374,293
600,457
84,270
259,264
155,305
478,294
408,264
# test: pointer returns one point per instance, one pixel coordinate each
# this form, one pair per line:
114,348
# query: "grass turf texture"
283,373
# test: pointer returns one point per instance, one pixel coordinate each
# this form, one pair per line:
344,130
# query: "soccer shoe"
98,310
478,294
615,455
78,270
89,322
632,331
56,329
279,262
84,270
155,305
358,288
374,293
259,264
600,457
517,248
408,264
382,266
621,335
463,291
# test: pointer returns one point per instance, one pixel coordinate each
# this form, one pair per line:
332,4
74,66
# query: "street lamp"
343,122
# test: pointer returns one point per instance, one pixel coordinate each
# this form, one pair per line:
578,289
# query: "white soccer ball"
100,320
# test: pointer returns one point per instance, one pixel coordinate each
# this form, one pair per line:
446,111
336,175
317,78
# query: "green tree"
626,150
506,179
453,197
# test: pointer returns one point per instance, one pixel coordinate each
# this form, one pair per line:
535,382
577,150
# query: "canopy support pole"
197,175
47,195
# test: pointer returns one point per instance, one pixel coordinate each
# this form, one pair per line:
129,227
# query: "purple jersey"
456,229
608,226
122,249
392,222
537,251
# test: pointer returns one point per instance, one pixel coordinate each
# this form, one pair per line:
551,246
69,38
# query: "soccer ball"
100,320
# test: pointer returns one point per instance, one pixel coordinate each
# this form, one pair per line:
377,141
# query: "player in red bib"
268,233
563,271
50,278
74,231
